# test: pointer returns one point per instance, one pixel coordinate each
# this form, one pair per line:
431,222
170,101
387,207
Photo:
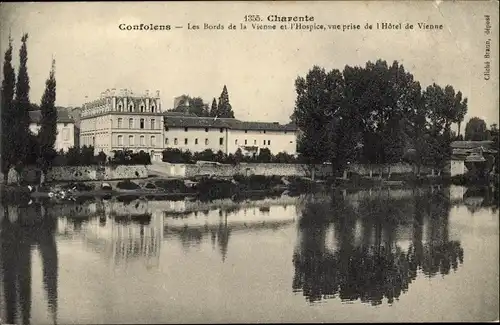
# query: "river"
367,256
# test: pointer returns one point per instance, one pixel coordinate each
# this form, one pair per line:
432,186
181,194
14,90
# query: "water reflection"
367,260
34,230
367,246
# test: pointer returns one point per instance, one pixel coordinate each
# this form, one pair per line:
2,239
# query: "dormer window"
119,108
142,108
152,108
130,108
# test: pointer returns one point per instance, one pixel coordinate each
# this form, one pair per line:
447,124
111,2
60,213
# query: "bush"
127,185
127,157
172,186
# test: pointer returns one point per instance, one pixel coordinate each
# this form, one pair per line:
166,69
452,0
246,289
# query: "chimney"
147,93
157,94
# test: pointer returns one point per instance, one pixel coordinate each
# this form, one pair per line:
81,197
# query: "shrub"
127,185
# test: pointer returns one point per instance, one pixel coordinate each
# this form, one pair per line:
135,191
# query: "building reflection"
191,222
31,230
122,231
367,260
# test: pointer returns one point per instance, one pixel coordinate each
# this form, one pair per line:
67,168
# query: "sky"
258,67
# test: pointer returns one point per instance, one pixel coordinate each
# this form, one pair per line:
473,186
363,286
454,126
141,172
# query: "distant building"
468,153
193,133
65,138
123,120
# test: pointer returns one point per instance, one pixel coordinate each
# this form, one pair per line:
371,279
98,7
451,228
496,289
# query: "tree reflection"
367,264
32,229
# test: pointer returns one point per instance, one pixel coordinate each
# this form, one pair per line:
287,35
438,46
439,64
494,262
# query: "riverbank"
209,188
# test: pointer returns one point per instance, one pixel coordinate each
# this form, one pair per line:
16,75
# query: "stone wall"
222,170
80,173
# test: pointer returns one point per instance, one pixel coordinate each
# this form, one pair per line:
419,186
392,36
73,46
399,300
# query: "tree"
48,129
196,106
22,106
265,155
213,109
476,130
8,117
224,108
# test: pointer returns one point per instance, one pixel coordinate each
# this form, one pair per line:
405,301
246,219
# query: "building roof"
179,120
471,144
62,116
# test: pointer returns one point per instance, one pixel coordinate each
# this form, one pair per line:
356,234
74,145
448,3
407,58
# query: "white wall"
279,140
457,167
212,136
65,137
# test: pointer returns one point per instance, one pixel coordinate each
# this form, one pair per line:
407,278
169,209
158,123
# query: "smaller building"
467,154
65,138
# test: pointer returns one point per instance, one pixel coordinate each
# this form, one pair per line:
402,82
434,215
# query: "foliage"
476,130
177,156
48,130
213,108
374,114
22,106
224,108
127,157
127,185
8,116
192,105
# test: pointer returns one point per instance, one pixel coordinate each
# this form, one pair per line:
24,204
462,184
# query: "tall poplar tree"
48,129
213,109
224,109
7,114
22,107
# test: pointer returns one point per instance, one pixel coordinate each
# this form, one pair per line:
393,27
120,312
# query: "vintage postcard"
249,162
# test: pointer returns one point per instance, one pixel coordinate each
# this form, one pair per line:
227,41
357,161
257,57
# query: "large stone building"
122,120
65,138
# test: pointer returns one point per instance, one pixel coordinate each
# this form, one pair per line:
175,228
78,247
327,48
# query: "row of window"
254,142
131,141
131,108
186,141
142,123
187,129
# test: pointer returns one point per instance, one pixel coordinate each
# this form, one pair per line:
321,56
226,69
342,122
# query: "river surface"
367,256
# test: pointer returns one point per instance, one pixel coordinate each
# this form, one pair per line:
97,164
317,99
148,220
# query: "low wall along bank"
270,169
80,173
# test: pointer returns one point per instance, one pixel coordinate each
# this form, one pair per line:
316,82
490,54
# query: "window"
245,141
130,123
142,108
236,141
143,142
186,141
221,130
65,124
196,141
206,142
142,123
264,131
120,140
65,134
285,132
166,140
152,108
254,142
175,141
264,142
130,108
185,129
153,141
206,129
246,131
130,140
221,141
268,142
153,122
120,123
